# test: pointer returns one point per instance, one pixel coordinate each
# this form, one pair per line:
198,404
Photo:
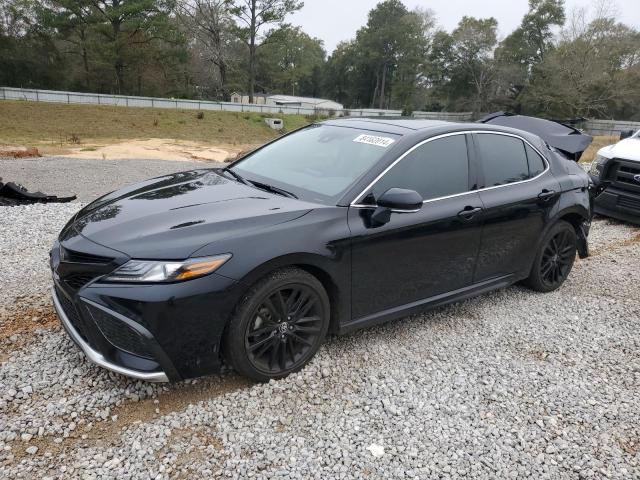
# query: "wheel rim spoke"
298,338
281,305
260,343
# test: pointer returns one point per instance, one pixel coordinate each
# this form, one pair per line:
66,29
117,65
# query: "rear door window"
435,169
504,159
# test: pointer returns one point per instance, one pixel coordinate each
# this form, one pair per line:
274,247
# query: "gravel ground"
88,179
508,385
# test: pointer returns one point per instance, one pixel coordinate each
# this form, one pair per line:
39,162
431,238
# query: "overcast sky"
337,20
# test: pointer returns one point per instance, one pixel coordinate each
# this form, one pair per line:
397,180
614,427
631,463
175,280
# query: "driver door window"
438,168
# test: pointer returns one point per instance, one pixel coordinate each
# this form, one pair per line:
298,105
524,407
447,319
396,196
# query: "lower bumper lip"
97,357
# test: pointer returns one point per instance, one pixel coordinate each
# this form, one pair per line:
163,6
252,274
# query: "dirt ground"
150,149
158,149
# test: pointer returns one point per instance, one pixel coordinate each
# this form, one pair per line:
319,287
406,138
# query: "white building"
304,102
289,101
258,98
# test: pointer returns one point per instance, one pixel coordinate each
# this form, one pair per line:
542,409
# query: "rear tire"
278,326
554,259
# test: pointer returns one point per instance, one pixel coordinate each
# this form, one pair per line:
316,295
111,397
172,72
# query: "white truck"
618,166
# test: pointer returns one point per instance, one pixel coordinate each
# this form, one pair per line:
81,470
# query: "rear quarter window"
536,163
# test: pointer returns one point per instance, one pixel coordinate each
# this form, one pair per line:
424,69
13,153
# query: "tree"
71,22
526,47
466,57
342,75
385,62
28,55
251,17
291,61
390,33
593,71
209,27
127,24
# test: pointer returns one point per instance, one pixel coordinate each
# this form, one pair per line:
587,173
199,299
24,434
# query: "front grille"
120,335
622,173
72,256
627,202
77,269
72,314
630,169
78,280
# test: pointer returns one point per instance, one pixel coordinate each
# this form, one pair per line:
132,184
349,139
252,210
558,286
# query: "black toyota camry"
337,226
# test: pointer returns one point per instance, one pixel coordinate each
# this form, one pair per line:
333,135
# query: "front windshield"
637,135
318,163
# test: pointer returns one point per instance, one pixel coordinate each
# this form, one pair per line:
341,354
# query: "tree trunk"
382,87
119,66
222,68
85,59
116,23
252,52
375,91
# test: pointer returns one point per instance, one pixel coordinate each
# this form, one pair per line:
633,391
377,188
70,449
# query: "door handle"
469,212
546,195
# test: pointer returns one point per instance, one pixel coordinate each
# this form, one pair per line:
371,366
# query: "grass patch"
35,123
598,142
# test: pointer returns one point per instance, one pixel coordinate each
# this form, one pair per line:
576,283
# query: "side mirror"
626,134
400,200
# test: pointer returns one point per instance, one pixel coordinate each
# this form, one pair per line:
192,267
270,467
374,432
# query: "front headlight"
159,271
596,165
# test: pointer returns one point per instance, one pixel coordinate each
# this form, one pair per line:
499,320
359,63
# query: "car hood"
627,149
173,216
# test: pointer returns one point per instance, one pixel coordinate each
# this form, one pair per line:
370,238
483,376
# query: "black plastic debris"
568,140
12,194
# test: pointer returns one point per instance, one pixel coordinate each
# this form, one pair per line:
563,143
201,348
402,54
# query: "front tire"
554,259
278,326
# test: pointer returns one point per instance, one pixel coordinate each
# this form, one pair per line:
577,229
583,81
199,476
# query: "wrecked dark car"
337,226
567,140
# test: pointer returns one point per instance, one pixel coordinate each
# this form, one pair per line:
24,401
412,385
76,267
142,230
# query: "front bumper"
97,357
165,332
619,204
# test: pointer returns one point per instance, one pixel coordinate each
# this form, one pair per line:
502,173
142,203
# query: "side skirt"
428,303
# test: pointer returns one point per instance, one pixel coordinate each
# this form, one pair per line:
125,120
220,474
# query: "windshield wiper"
271,188
235,175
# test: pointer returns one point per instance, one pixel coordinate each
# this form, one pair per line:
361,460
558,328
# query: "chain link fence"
33,95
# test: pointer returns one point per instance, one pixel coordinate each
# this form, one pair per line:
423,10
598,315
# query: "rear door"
420,254
518,192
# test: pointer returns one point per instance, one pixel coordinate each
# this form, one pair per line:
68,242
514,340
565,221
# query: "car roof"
394,125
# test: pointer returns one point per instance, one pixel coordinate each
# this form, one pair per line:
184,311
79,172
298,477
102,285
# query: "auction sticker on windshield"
383,142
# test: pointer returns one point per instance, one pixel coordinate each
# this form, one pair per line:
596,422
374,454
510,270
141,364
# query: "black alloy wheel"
279,326
555,258
284,329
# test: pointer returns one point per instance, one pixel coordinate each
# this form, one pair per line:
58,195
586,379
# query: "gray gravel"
28,231
88,179
512,384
